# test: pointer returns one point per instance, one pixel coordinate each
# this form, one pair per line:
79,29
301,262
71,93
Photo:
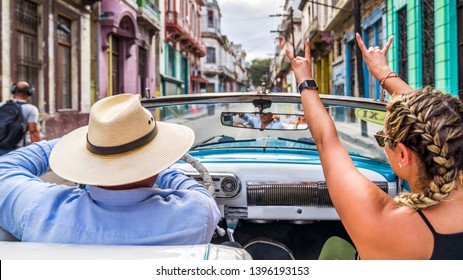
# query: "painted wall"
445,39
119,10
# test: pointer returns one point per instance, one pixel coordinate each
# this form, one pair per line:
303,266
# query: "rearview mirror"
264,121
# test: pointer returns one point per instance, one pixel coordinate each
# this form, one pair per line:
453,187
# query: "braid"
430,124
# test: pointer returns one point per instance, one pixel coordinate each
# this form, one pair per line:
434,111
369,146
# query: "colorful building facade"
182,47
127,45
426,40
48,43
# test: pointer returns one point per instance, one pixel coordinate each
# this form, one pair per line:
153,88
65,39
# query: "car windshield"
355,127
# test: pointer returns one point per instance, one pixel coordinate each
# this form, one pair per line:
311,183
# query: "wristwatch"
308,84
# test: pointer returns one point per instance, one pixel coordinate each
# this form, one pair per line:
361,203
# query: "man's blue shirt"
257,123
177,210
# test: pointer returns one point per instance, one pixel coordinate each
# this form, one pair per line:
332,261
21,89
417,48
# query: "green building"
427,49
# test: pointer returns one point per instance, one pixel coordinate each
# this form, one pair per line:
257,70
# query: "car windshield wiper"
212,138
222,139
303,140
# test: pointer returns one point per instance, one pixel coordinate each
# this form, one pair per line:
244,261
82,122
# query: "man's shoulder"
30,113
29,107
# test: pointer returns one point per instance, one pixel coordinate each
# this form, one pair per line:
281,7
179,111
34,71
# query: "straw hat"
122,144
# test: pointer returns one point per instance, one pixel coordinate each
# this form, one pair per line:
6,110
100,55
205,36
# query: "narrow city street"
323,130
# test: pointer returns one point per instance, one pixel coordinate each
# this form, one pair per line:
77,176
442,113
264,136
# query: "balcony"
178,30
148,16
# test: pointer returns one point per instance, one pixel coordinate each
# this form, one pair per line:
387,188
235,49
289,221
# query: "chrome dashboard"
269,192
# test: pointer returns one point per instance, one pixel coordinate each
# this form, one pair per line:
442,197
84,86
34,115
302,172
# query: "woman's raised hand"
301,66
375,58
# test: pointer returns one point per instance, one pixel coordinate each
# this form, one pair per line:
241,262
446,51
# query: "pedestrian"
423,140
21,92
130,196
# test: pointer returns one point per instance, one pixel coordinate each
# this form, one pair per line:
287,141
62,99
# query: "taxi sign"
372,116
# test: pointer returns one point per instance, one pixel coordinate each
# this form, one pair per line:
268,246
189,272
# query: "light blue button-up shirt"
257,123
177,210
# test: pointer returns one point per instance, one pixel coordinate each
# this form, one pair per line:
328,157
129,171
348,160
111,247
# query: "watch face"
310,84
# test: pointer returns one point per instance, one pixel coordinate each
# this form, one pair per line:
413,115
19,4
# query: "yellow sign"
373,116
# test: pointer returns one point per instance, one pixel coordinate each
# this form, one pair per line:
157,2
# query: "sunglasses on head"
381,138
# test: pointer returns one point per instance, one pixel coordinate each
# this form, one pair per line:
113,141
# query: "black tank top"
446,246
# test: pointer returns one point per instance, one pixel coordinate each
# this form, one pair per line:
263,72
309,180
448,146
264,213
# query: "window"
184,8
210,18
27,61
170,5
210,56
353,70
64,71
339,47
171,62
427,42
402,40
142,59
380,33
339,89
115,64
185,75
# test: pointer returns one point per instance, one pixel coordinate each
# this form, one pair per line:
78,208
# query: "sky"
248,22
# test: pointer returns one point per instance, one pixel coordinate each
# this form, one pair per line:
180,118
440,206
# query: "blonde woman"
423,140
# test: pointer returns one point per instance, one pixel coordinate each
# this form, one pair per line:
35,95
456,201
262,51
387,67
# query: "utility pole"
292,27
358,52
359,60
292,30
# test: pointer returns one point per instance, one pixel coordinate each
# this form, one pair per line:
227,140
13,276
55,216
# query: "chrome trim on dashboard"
313,194
218,178
287,194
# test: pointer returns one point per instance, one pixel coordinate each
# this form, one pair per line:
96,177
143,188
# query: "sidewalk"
353,134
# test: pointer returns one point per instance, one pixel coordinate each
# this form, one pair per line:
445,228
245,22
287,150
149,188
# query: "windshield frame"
329,101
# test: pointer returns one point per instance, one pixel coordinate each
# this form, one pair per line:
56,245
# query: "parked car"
268,181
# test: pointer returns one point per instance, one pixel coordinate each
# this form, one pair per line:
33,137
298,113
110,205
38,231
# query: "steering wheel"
207,180
203,172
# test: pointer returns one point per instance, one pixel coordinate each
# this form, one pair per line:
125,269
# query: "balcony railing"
174,20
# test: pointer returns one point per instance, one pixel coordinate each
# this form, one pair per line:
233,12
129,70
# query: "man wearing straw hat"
130,196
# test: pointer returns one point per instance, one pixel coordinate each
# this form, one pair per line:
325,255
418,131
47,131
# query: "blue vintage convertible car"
267,180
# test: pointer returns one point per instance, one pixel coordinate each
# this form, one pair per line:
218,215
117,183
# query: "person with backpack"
17,117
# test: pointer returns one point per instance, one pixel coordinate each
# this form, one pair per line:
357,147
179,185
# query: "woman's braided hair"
430,123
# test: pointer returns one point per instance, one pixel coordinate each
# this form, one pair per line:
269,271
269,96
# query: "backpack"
12,125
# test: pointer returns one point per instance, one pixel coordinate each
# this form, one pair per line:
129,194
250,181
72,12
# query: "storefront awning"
199,79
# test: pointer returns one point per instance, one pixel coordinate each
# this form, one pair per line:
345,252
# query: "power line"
247,19
255,47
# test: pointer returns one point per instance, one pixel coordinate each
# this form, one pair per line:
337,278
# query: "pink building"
128,47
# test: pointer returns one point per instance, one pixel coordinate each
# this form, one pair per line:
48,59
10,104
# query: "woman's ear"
404,155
